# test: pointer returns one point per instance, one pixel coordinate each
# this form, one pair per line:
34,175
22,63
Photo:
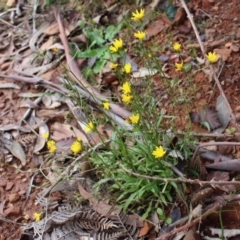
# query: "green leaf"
187,67
168,220
81,23
170,11
145,215
99,66
160,211
129,200
111,32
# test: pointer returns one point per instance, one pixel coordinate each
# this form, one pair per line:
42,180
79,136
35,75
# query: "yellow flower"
140,35
118,43
55,50
138,15
179,66
37,216
89,127
126,88
46,135
150,55
51,145
113,65
126,98
159,152
127,68
76,147
106,105
134,118
177,46
212,57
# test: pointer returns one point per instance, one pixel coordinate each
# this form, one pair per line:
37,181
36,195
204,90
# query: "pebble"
14,197
13,210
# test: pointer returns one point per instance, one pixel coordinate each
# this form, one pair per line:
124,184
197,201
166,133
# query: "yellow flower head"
179,66
46,135
117,44
106,105
55,50
127,68
126,88
37,216
76,147
212,57
113,65
140,35
159,152
51,145
177,46
89,127
134,118
138,15
127,98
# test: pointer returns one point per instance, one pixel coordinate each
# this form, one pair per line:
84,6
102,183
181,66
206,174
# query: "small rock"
14,197
198,95
3,182
13,210
9,186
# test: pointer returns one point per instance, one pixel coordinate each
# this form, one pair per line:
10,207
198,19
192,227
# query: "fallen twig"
76,74
213,144
178,180
214,208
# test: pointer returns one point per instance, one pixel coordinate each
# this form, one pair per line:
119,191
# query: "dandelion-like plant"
117,44
212,57
179,66
113,65
37,216
159,152
140,35
127,98
106,105
126,88
76,146
134,118
138,15
89,127
127,68
51,145
46,135
177,46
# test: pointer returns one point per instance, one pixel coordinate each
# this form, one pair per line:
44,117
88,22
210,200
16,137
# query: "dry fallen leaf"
99,206
147,226
206,115
63,131
223,52
155,27
17,151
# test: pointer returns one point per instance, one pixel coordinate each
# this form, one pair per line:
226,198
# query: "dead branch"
180,180
76,74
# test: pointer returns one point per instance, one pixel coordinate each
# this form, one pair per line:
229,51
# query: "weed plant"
148,148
